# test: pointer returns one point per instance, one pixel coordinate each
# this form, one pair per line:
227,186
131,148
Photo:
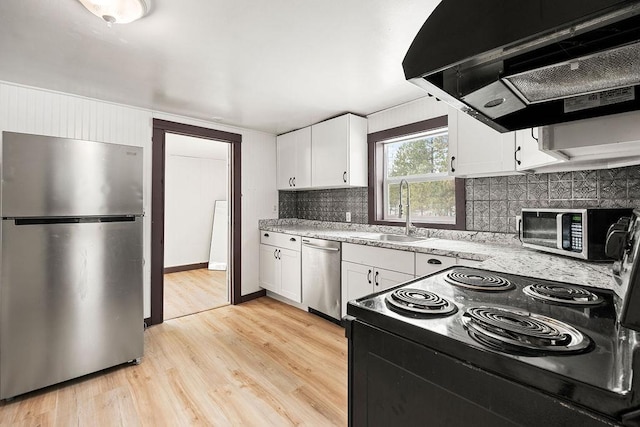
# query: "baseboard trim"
187,267
254,295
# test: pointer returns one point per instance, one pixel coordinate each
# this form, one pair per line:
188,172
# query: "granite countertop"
496,251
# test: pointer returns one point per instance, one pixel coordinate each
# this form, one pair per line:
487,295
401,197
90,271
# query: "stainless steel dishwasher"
321,277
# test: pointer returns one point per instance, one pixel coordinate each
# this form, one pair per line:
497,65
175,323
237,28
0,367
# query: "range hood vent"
515,65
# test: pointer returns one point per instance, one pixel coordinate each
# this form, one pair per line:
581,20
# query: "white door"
286,158
357,281
477,149
269,269
329,152
290,283
528,155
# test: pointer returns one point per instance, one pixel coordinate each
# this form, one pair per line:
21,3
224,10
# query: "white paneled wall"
404,114
32,110
35,111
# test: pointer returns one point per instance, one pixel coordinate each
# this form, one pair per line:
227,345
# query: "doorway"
161,129
195,225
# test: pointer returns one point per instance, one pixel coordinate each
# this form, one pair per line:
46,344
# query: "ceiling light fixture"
118,11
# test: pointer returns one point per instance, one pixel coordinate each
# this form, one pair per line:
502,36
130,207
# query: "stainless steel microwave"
579,233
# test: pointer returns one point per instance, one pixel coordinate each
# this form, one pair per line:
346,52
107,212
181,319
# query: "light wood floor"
262,363
193,291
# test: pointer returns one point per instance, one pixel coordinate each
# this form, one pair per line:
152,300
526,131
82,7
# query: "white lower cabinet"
280,266
363,272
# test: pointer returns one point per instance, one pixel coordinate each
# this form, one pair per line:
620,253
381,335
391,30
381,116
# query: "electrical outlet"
275,208
348,217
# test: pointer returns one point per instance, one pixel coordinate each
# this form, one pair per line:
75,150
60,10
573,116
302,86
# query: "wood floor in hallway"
193,291
262,363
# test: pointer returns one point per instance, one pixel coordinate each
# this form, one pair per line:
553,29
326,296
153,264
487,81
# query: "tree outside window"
419,154
421,160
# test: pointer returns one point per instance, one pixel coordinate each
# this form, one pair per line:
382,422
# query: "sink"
392,238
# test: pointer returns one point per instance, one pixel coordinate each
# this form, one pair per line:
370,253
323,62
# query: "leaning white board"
218,251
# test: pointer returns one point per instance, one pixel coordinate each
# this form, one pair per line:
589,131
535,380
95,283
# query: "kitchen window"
417,154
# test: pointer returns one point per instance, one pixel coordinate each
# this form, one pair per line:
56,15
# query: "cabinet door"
475,149
290,283
329,152
385,279
286,160
357,281
269,269
302,177
528,155
294,159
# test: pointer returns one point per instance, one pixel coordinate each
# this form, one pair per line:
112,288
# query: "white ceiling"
273,65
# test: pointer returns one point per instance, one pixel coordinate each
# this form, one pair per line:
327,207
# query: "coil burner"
418,302
562,294
478,280
522,332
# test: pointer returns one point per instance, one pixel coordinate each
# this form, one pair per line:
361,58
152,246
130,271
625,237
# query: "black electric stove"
472,346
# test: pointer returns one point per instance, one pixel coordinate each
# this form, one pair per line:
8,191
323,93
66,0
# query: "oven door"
397,382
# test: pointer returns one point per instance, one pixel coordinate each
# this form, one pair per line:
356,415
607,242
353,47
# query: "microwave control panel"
572,232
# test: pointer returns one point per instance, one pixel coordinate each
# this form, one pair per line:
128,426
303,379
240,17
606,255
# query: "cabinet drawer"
388,259
281,240
427,263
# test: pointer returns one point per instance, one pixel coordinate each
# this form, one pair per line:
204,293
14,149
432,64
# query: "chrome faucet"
408,225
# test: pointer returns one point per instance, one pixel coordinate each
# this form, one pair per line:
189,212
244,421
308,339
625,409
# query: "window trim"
376,177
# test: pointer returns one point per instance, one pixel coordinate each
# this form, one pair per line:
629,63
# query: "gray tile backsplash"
491,203
325,205
491,208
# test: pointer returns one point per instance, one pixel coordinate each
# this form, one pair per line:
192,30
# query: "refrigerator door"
70,301
58,177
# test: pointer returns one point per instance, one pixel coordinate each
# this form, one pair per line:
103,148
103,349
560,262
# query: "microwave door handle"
559,231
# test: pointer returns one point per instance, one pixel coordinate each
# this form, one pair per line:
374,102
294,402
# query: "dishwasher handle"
309,245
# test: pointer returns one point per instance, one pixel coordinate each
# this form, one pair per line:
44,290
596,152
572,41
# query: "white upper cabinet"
339,152
475,149
294,159
528,154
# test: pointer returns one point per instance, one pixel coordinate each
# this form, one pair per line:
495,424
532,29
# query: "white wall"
194,179
31,110
404,114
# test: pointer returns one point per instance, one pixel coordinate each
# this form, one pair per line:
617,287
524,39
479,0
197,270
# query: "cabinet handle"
275,253
533,136
294,181
369,276
344,176
515,155
279,251
434,261
376,277
290,182
452,159
266,234
293,239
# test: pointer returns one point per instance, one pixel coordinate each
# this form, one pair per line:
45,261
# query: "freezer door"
70,301
46,176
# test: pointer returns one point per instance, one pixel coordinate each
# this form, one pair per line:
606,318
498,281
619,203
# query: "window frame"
376,166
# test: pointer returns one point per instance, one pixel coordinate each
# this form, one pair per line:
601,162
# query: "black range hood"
521,64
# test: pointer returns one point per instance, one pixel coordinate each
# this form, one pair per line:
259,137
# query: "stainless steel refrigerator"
71,263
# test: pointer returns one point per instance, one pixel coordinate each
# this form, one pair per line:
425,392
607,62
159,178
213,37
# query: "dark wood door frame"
160,129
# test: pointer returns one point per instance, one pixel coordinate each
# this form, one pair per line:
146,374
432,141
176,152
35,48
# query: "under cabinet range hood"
521,64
